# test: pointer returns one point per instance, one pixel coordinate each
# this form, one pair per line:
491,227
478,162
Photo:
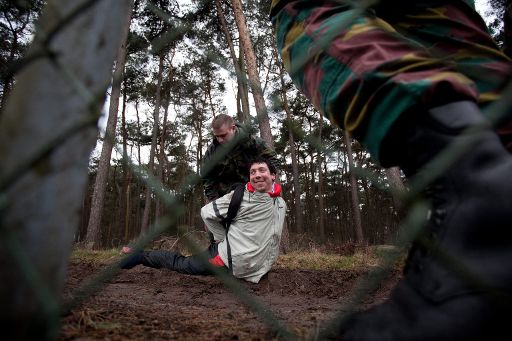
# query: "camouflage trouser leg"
365,68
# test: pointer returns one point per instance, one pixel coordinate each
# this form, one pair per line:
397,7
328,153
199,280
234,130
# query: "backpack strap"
234,206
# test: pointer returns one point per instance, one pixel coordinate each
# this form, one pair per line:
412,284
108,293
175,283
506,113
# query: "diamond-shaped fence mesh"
174,203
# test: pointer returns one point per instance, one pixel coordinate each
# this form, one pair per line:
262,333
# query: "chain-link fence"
15,246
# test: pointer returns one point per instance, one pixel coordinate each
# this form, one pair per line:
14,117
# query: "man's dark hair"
260,159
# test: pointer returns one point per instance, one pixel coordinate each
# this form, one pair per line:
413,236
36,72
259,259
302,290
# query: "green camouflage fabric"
235,166
365,69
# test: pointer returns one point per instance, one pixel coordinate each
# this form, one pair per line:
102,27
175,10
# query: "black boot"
457,282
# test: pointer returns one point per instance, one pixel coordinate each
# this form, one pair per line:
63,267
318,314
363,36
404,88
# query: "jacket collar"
276,189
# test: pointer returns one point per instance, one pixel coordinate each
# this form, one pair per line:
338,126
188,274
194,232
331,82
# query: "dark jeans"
192,265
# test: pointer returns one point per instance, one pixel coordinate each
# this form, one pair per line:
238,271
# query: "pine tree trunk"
199,147
156,118
293,153
321,210
396,183
252,71
127,211
123,205
138,185
161,160
6,77
368,203
354,193
6,87
47,132
240,73
299,218
243,89
93,238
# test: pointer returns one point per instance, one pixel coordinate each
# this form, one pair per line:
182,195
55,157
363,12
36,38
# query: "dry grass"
316,260
313,259
95,256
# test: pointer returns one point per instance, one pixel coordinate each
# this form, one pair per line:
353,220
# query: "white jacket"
254,234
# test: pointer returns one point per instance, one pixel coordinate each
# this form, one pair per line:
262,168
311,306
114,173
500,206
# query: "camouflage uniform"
235,167
364,70
408,74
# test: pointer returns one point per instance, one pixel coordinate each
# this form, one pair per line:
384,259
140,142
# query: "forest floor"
150,304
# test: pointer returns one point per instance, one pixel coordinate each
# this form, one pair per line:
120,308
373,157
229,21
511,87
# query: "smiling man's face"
260,177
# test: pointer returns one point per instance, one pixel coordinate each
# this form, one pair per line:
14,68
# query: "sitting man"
252,241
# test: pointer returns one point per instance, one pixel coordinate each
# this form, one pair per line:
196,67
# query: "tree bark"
354,192
243,90
293,153
47,132
93,238
138,185
321,210
396,183
252,72
156,123
161,160
240,73
124,204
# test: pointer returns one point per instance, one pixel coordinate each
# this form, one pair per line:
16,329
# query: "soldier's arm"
210,186
211,189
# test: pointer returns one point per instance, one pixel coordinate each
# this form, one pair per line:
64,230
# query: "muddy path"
150,304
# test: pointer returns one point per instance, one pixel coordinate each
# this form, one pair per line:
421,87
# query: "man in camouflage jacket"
233,167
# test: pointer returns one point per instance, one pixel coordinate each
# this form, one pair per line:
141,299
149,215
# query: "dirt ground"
149,304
